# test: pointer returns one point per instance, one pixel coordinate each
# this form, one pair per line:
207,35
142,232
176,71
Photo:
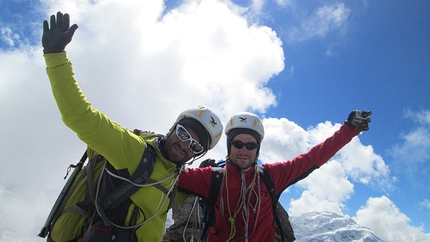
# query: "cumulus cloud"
363,165
283,140
388,222
326,189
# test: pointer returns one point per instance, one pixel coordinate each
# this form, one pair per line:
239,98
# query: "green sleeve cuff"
56,59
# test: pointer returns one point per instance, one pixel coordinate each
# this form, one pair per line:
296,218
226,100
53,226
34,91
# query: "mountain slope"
326,226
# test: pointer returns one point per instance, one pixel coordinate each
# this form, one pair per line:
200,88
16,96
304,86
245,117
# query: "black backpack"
112,203
284,229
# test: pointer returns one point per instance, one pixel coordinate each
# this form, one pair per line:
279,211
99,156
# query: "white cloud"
416,143
9,37
412,154
363,165
218,62
386,220
325,19
284,2
422,117
283,140
327,189
425,204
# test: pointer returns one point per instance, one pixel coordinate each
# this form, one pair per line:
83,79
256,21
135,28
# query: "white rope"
148,219
195,226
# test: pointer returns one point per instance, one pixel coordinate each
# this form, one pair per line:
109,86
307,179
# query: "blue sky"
301,65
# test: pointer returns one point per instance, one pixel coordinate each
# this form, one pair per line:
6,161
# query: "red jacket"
258,205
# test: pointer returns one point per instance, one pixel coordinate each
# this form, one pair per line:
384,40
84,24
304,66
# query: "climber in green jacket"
195,131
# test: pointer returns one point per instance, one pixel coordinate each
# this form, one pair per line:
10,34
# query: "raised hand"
58,34
359,119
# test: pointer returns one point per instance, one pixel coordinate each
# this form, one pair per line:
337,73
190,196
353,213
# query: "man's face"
177,150
243,157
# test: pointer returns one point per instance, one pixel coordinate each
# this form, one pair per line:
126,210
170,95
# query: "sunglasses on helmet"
184,136
239,145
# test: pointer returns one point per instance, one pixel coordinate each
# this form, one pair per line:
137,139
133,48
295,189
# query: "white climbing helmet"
210,121
246,120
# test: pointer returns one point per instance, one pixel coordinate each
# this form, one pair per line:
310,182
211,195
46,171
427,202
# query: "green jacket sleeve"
120,146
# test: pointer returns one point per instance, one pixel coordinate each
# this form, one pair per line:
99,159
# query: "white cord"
137,184
146,220
194,228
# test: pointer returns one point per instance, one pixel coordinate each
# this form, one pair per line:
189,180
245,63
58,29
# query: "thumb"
72,30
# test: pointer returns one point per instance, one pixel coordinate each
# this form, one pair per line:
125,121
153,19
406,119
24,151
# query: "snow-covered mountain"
325,226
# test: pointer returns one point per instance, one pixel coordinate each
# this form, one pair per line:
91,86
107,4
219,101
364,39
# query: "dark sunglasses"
184,136
239,145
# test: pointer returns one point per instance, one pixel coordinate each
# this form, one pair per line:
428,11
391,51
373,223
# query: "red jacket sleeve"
196,181
287,173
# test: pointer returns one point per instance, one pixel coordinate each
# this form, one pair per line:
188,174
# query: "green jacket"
119,146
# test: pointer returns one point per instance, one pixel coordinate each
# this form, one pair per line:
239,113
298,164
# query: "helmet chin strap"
160,143
195,158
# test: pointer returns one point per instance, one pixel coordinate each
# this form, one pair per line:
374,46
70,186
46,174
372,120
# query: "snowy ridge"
326,226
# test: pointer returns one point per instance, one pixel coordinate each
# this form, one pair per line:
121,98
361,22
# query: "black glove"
359,119
54,40
208,162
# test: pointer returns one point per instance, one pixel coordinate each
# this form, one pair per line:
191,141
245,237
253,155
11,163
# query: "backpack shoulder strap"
142,174
269,183
275,197
209,205
217,175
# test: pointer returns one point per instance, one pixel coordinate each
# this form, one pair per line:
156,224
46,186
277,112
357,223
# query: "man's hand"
359,119
208,162
56,38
